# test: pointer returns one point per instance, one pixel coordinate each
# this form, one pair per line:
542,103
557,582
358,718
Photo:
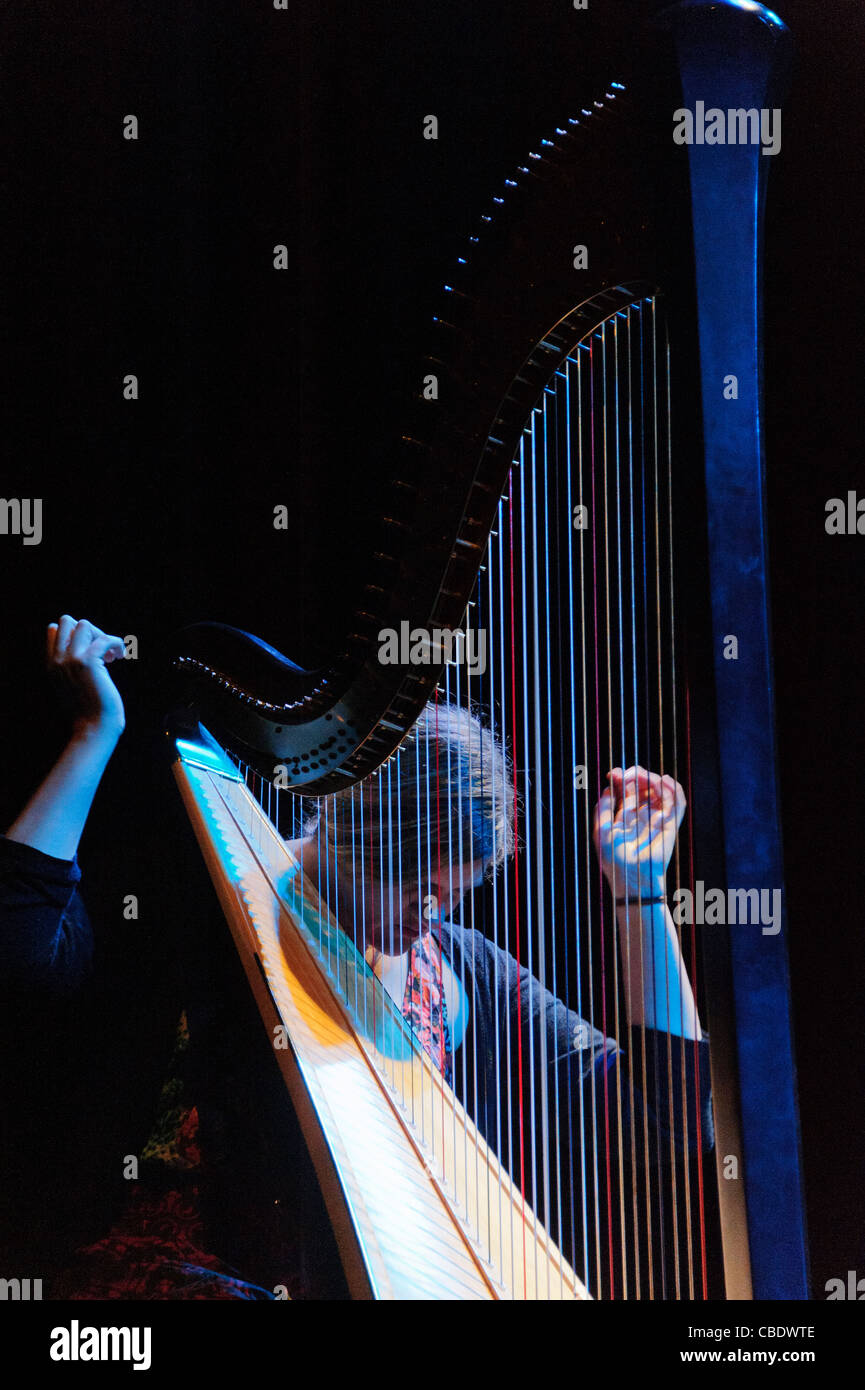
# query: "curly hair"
449,791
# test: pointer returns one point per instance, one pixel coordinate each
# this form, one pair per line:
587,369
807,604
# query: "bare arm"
636,822
657,988
54,816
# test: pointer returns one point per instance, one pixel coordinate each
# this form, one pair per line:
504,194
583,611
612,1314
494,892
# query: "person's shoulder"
465,945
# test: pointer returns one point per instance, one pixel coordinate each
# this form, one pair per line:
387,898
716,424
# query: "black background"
257,388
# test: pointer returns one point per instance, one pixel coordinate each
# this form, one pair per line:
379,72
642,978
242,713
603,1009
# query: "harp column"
733,58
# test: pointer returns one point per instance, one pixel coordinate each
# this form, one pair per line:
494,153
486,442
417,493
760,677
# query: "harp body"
361,1085
549,384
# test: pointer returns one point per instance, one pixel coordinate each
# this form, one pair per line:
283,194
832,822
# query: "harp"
574,553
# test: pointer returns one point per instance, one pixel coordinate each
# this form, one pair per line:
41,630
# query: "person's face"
391,921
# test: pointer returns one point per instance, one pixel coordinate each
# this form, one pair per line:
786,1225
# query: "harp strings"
628,633
628,662
580,676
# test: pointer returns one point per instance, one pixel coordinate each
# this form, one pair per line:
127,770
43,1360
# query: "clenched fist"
80,653
635,827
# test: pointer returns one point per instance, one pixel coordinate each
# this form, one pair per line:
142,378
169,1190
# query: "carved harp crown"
571,578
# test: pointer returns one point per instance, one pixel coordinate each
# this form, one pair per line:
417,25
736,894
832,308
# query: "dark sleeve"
660,1087
530,1017
642,1146
655,1098
663,1089
46,941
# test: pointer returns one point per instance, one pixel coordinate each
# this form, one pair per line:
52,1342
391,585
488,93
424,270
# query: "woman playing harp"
393,858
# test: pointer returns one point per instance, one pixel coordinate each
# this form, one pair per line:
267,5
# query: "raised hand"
54,817
80,653
635,827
